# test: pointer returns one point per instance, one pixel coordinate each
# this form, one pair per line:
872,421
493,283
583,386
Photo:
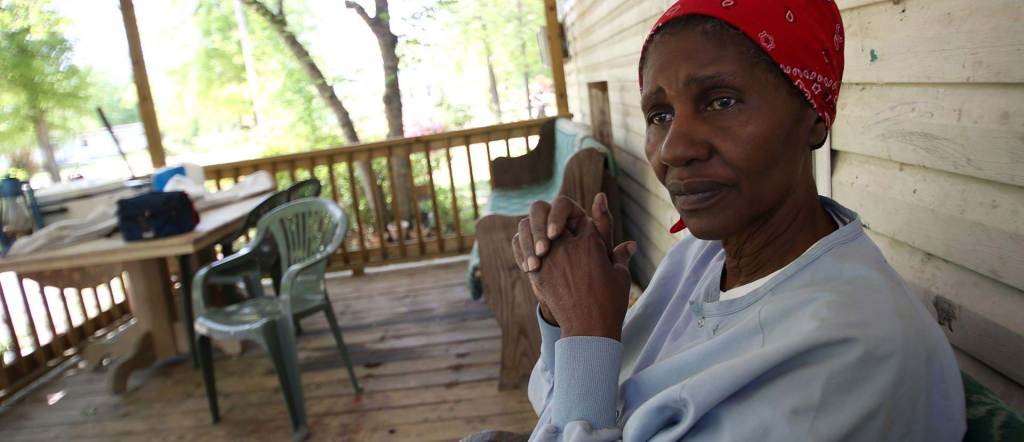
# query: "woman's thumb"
623,253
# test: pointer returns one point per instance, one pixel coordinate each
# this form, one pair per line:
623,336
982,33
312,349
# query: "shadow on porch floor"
426,355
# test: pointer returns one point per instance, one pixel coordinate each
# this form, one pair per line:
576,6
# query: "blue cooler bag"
156,215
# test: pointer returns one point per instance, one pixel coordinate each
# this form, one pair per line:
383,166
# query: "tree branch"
371,21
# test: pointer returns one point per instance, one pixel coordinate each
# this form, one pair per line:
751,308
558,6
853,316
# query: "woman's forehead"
689,59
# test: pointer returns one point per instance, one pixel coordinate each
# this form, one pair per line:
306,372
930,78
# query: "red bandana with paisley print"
804,37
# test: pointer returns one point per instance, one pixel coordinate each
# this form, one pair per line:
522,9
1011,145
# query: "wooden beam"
555,56
146,110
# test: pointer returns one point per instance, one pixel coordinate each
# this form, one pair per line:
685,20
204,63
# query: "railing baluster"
216,181
49,318
291,171
312,174
378,209
333,181
124,291
332,184
70,332
238,174
395,206
101,316
508,151
415,203
355,207
433,200
472,179
58,338
86,323
455,198
16,346
30,317
114,306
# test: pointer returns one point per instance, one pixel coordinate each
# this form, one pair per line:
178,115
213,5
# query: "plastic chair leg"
281,347
253,286
333,322
205,354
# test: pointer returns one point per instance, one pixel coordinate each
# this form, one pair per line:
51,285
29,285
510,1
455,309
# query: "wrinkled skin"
730,140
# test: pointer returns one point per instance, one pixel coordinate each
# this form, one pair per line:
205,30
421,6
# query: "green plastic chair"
264,262
306,233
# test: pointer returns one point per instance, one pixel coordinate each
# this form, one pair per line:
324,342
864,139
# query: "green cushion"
988,418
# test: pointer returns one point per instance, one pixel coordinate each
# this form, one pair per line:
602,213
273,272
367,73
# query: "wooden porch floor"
426,354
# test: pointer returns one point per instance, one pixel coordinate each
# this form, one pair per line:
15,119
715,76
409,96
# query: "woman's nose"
684,144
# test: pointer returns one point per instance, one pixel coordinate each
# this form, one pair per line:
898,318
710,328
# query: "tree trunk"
326,92
43,138
247,59
387,41
522,50
492,79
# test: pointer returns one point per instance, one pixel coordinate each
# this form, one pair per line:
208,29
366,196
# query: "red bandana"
804,37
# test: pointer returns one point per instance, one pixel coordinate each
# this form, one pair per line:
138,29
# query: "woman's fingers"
602,218
538,224
517,253
526,244
565,213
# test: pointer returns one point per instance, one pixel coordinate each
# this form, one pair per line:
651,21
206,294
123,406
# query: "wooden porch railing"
46,317
49,316
450,182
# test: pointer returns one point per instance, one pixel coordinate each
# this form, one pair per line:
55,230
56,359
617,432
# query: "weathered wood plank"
974,223
979,315
935,41
971,130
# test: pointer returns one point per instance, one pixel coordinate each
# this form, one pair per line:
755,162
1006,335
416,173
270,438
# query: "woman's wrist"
546,315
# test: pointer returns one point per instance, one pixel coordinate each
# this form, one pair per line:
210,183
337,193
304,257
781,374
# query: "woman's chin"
705,226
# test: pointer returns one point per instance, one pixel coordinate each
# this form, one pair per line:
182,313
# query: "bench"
567,161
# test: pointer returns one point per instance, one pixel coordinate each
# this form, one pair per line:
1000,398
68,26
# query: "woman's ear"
818,133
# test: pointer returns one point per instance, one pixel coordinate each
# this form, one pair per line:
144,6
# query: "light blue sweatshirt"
833,347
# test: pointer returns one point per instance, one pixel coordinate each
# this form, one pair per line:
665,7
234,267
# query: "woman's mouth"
695,195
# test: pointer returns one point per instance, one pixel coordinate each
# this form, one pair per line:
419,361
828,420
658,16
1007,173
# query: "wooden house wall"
928,147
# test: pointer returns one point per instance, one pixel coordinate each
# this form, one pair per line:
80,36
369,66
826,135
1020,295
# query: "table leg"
186,306
149,336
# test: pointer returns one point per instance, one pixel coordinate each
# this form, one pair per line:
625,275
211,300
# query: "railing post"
555,56
16,346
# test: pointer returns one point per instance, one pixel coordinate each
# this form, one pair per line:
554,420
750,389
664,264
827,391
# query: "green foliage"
216,97
509,28
38,78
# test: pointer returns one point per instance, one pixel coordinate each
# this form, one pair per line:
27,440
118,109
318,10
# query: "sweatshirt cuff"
586,381
548,335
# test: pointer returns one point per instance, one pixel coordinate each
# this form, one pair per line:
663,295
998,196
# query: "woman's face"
726,135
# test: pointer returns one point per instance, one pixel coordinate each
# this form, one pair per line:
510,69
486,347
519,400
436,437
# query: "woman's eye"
721,103
659,118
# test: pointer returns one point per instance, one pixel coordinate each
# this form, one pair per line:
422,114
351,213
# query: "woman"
778,318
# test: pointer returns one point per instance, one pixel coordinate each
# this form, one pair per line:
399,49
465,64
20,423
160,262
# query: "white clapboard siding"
935,41
975,130
974,223
979,315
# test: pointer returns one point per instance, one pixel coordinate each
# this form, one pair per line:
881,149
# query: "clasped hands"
580,278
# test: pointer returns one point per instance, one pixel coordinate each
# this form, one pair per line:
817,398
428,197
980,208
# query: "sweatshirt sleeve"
584,399
542,378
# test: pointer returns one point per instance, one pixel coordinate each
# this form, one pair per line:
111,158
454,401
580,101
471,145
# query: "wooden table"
151,336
